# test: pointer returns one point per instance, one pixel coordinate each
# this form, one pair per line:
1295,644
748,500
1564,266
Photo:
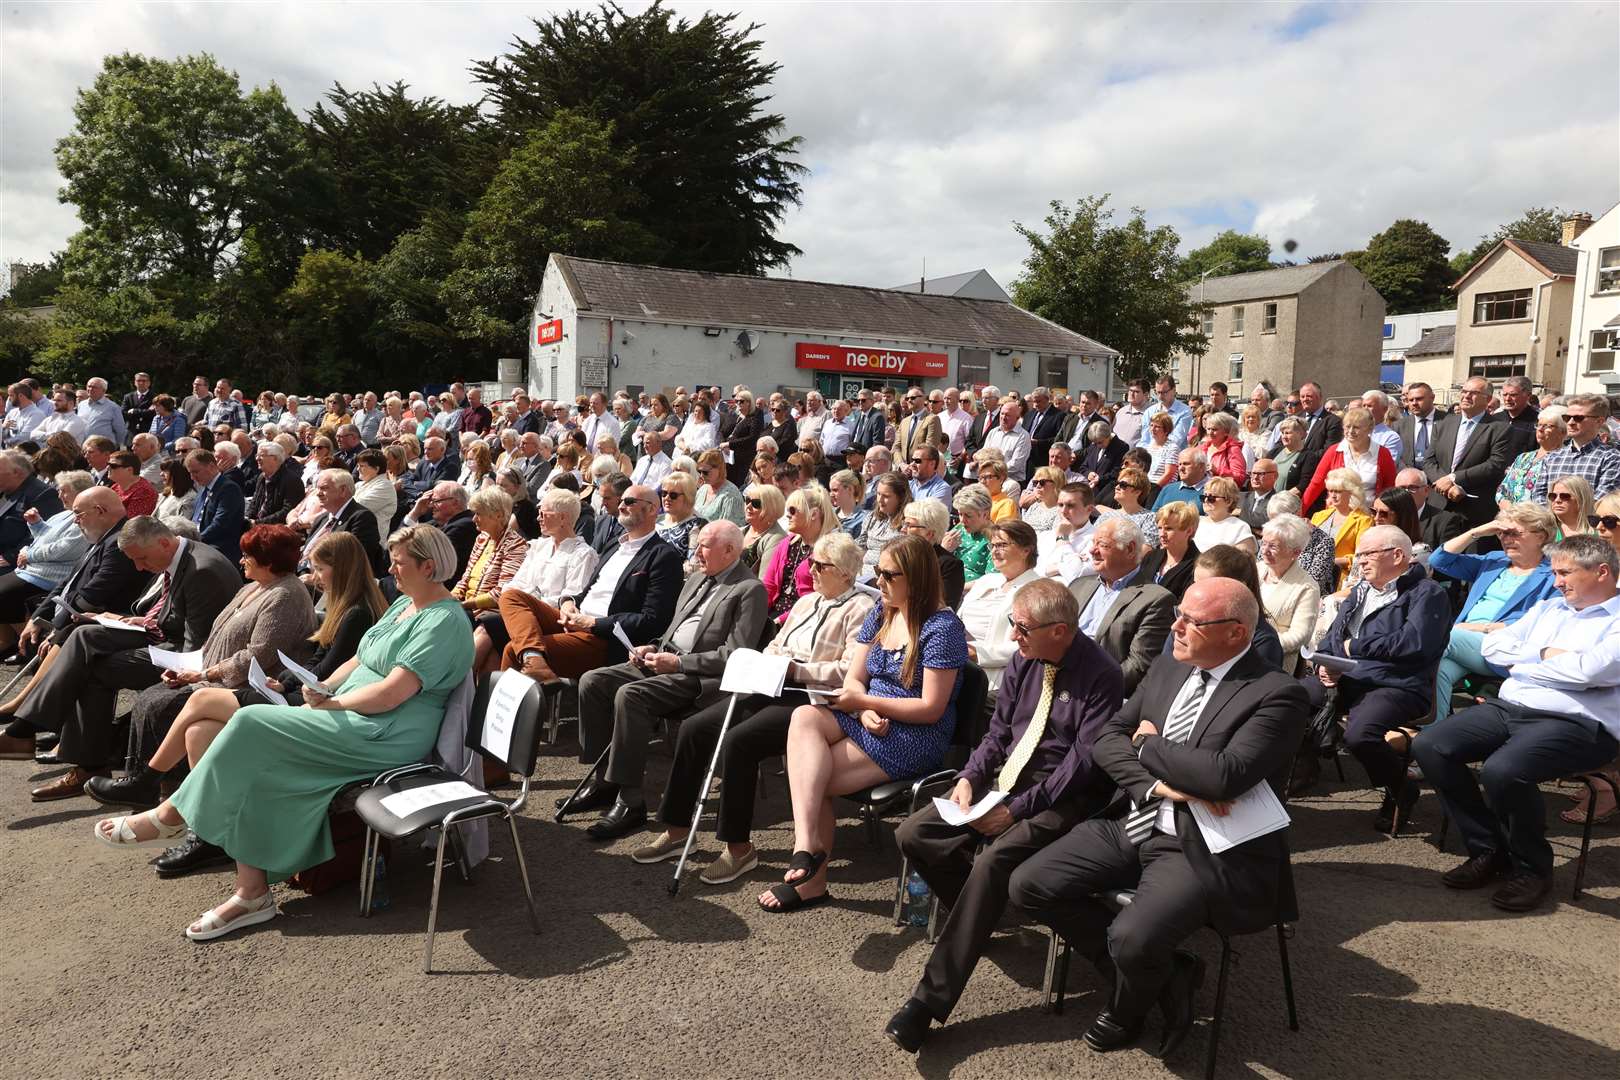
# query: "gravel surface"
1395,975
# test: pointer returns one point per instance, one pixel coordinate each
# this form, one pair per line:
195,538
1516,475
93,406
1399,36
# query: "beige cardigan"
1292,602
824,660
259,621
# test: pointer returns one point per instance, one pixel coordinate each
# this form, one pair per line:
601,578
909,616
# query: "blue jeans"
1462,658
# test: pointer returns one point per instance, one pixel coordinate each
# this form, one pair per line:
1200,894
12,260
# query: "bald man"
1210,723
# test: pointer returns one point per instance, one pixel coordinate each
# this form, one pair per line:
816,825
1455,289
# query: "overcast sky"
930,128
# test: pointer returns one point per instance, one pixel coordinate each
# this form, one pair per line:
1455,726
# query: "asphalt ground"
1395,975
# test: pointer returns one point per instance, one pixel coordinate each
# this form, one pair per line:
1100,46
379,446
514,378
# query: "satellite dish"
747,341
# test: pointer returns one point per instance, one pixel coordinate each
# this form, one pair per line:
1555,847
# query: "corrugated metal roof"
1258,284
693,297
973,283
1443,342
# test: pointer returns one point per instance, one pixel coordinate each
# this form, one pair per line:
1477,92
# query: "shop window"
973,367
1237,321
1496,367
1268,319
1502,306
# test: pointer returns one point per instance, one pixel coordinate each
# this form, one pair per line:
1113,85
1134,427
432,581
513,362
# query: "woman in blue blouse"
892,719
168,422
1506,584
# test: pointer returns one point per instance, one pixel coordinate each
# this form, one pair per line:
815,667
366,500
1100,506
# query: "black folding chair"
449,814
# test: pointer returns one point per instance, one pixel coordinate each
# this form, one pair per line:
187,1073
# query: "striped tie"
1139,823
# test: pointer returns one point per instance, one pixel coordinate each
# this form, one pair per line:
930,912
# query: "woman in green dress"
262,788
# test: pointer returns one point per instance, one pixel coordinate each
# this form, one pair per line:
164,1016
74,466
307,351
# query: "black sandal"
788,899
808,861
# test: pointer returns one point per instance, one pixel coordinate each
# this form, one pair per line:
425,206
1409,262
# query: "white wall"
1409,329
1591,312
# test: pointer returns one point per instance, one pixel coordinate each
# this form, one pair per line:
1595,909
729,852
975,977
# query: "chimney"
1574,225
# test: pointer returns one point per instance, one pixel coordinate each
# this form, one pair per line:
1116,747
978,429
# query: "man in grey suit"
1468,457
720,609
1129,619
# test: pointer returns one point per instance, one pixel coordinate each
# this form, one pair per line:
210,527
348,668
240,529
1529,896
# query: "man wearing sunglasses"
1584,454
919,428
1213,722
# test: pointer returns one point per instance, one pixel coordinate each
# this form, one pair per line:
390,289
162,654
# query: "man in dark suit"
279,488
220,511
869,422
438,462
137,405
1210,725
1322,428
1439,525
634,589
446,507
721,609
1104,454
1468,457
605,526
1417,424
103,580
1253,504
1520,413
986,420
538,461
335,490
1042,422
1128,618
1055,696
20,492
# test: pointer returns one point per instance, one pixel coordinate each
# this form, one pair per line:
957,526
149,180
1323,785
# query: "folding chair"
507,708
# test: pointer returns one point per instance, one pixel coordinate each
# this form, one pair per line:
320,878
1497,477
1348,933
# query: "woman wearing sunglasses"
718,499
786,574
678,523
1129,494
762,505
1570,500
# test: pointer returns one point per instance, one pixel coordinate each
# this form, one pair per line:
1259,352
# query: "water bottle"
917,899
379,889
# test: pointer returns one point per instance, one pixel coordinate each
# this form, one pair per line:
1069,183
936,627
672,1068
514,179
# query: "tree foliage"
1406,263
1117,284
35,284
686,102
1231,252
1543,224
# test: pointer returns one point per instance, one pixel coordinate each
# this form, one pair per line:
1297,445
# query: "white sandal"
255,911
119,834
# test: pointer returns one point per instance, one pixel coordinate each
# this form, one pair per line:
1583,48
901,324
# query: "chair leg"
1287,977
458,850
1049,981
1220,1009
1591,780
433,906
553,715
900,891
1445,826
523,871
368,871
1062,988
1400,788
871,827
931,933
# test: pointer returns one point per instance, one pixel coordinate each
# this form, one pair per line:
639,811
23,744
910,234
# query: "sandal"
116,831
1576,815
788,899
209,925
808,861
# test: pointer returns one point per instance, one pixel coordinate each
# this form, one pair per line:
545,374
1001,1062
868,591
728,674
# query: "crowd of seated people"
1111,569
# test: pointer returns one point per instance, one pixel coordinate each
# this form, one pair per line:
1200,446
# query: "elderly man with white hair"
1379,404
1128,615
335,490
100,414
279,488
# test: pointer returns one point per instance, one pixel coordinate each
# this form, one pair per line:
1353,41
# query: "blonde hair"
491,500
1349,480
815,500
427,544
1223,485
931,515
1532,516
682,481
1177,515
770,499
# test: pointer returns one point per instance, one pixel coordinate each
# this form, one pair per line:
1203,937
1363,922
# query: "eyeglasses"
1374,551
1608,521
1183,617
1040,483
1021,630
890,575
1292,404
1575,418
1127,485
1561,496
1509,534
1381,512
629,500
1000,545
670,494
1216,498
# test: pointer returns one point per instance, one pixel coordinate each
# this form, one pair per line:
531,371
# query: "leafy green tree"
411,332
563,190
1231,252
687,105
34,284
170,163
1542,224
1406,263
1117,284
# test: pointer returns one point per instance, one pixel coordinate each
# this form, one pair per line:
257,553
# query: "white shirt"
984,611
1064,559
697,436
835,436
1231,530
597,601
1166,821
956,425
70,422
595,426
1366,466
1582,682
1014,446
651,469
551,571
20,422
811,422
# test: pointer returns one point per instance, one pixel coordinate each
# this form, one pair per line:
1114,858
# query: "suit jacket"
1477,472
744,439
361,523
274,496
734,619
426,473
1252,507
104,580
34,493
535,472
1247,734
463,532
605,532
1439,526
1043,429
869,428
644,598
1071,423
1323,433
204,582
219,516
1177,580
1406,428
1104,460
981,427
927,432
138,411
1136,627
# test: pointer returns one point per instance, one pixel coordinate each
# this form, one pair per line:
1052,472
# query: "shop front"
845,370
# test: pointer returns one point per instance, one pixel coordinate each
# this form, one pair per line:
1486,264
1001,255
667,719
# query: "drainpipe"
1535,337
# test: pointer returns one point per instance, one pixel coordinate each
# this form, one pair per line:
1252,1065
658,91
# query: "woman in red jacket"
1357,451
1224,449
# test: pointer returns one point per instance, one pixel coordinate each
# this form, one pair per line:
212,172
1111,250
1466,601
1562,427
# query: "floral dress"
974,551
909,749
1519,482
679,535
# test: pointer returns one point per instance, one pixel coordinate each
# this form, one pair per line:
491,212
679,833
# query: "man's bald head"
98,509
1215,622
718,547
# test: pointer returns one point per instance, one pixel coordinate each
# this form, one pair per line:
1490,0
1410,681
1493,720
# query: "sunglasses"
629,500
754,504
669,494
818,565
1561,496
1608,521
890,575
1023,629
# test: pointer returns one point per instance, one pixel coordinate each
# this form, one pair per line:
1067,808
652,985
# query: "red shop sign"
549,332
871,361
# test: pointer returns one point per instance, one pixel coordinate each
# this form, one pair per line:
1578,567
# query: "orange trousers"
535,624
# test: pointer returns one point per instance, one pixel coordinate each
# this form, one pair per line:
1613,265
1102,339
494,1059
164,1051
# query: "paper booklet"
406,803
1333,663
118,624
259,682
176,661
304,675
749,671
624,639
952,814
1256,812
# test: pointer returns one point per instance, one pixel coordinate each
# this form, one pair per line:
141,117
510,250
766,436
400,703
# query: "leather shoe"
1178,1000
1526,892
138,789
622,820
191,854
1477,872
1106,1034
909,1027
596,796
15,748
67,786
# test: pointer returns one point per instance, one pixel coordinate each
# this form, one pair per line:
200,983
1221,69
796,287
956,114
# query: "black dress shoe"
1178,999
1526,892
1477,872
596,796
1408,797
909,1027
622,820
138,789
191,854
1107,1034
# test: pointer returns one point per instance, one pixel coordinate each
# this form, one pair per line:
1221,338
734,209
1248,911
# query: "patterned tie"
1139,825
154,615
1422,438
1032,735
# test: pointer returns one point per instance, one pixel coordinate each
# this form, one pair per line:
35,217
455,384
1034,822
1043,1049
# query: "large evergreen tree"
1406,263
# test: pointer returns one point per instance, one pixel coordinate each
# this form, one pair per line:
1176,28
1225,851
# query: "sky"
929,129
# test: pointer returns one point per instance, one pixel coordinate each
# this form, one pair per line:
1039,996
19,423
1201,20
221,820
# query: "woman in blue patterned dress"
892,719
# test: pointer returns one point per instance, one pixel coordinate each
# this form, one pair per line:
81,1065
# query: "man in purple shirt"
1056,695
475,415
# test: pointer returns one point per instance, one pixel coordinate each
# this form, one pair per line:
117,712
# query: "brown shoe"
16,748
68,786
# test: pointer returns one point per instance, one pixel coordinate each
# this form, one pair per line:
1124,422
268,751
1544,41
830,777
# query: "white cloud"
929,128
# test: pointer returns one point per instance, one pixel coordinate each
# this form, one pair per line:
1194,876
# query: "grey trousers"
618,706
79,694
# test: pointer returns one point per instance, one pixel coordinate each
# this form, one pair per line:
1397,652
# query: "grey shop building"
617,326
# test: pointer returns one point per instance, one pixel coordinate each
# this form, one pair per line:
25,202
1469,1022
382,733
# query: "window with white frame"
1237,321
1496,367
1234,367
1608,279
1268,319
1502,306
1209,324
1389,330
1605,343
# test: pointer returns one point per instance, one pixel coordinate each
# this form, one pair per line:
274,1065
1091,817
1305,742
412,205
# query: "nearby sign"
870,361
549,333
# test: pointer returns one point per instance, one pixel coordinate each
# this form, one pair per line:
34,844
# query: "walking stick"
703,797
27,669
568,804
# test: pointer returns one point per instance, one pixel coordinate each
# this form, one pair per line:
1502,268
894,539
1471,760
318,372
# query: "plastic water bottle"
917,899
379,890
